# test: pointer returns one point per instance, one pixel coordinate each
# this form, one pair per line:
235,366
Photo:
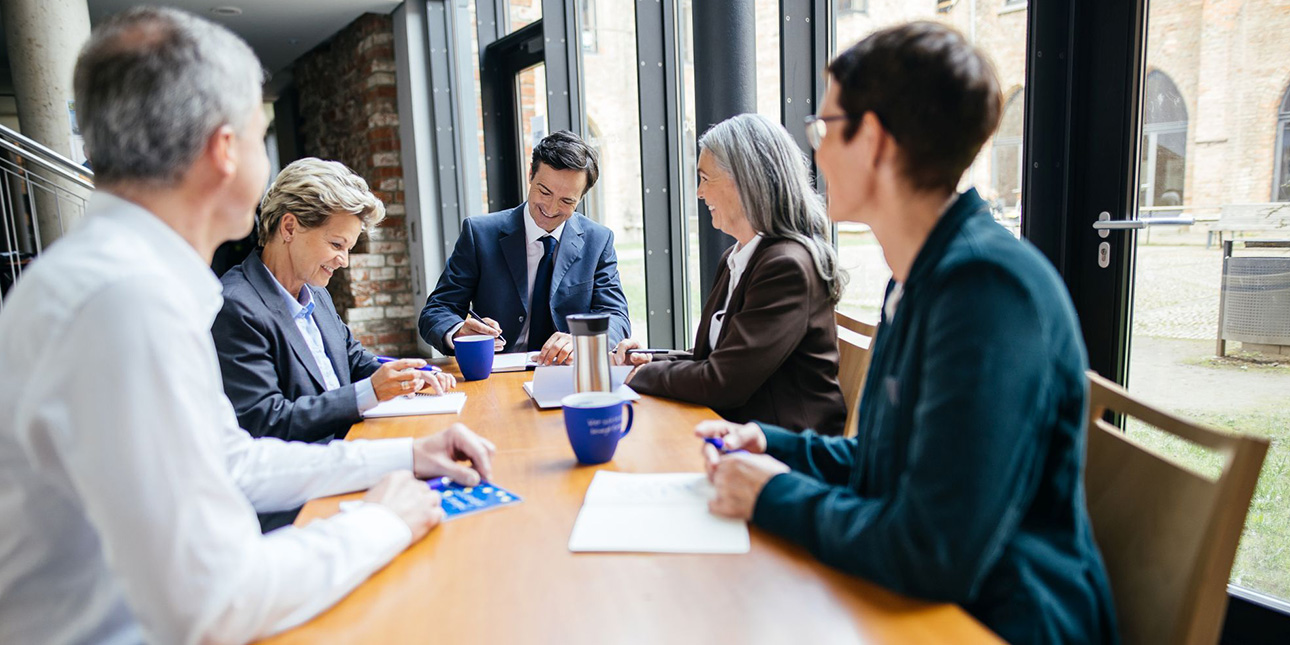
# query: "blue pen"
721,446
387,359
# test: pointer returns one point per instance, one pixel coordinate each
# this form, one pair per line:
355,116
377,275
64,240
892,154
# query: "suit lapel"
267,286
333,338
715,300
568,252
737,297
512,243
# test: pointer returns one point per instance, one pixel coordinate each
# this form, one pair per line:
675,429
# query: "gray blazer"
269,374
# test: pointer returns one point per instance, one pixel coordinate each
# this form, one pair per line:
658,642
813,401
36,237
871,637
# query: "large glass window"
1213,134
1281,176
531,90
524,12
479,110
1005,158
1000,31
689,170
613,123
1164,146
767,17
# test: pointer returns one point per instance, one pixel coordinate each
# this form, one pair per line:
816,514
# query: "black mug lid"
587,324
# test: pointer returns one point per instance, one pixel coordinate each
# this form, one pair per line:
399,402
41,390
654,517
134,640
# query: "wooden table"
507,576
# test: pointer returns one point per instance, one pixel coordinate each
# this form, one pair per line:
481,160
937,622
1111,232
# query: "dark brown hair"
564,150
934,92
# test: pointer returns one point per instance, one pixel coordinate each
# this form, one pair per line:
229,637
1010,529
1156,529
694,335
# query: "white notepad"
514,362
653,513
406,406
551,383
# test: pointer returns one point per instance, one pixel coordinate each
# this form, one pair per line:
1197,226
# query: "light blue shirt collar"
299,306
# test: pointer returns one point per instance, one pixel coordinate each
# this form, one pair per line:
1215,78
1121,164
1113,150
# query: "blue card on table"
461,500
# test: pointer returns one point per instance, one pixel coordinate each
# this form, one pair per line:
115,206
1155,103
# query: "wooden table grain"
507,576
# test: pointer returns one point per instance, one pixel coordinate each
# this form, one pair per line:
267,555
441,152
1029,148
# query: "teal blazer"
965,482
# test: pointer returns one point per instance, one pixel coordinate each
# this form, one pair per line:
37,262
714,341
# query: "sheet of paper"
514,362
552,383
406,406
653,513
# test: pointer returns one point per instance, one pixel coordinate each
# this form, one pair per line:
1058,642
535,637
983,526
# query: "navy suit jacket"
270,375
488,271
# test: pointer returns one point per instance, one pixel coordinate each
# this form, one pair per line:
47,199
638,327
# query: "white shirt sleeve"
365,395
168,483
447,338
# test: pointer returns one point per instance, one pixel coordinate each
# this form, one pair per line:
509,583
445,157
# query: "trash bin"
1254,303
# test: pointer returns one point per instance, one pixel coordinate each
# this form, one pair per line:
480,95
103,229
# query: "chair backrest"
1168,535
854,339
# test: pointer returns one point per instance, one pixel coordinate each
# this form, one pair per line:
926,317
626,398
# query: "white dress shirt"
737,262
128,494
533,250
302,312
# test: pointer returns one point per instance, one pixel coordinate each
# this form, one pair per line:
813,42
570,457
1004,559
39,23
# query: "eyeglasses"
817,126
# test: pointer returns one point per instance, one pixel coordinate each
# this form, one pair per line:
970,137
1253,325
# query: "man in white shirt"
127,490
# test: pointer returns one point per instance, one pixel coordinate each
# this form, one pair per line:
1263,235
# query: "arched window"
1005,159
1164,145
1281,173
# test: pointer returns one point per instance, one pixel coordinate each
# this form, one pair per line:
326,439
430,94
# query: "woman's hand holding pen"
621,357
400,377
735,460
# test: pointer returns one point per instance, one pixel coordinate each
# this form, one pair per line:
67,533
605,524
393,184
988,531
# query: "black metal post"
659,85
803,54
725,84
564,109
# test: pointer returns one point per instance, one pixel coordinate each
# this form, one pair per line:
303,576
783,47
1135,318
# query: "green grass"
631,272
1263,558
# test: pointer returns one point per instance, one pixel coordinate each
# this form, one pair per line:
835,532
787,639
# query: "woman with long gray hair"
766,347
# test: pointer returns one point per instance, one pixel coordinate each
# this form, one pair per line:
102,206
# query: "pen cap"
590,352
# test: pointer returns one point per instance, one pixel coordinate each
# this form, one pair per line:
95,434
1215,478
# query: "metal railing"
41,193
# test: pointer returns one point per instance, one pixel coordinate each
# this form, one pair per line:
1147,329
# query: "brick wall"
349,113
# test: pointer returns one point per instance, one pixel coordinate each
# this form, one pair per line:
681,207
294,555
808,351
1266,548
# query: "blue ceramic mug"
474,356
594,421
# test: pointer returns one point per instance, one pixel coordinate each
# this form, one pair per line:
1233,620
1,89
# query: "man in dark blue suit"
523,270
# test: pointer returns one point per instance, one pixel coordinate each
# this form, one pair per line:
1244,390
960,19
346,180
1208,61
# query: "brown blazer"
777,356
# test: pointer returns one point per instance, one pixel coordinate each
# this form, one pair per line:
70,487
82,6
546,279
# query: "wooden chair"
854,341
1168,535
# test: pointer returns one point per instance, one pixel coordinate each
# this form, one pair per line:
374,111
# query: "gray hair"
314,190
772,176
152,85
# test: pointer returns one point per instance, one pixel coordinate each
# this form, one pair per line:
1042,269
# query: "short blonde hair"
313,190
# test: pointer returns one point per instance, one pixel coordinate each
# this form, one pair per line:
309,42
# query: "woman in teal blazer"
965,483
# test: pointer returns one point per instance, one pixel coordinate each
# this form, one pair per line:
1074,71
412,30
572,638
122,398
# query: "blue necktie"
540,324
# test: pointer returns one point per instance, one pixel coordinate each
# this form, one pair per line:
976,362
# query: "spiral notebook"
408,406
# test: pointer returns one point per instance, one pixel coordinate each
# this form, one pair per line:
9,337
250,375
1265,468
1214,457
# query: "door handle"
1135,224
1104,225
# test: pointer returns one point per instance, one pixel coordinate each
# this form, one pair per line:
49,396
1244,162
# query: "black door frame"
500,62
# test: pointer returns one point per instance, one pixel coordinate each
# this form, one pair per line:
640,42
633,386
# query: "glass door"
1209,337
